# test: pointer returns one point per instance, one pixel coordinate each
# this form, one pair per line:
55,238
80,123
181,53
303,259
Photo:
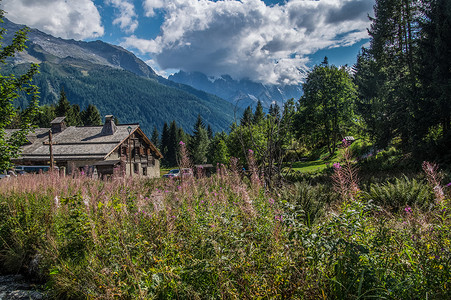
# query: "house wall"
143,161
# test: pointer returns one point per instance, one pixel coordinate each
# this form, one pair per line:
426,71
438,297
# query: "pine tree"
210,132
164,146
198,143
394,47
173,145
259,115
274,111
247,117
91,116
63,107
155,137
436,65
75,116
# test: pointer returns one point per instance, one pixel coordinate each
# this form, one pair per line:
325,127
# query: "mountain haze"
241,93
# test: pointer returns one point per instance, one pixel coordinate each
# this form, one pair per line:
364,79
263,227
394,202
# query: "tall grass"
222,237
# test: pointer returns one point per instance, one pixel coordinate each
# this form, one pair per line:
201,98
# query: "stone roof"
79,143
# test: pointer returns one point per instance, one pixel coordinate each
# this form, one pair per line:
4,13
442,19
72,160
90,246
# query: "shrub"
401,193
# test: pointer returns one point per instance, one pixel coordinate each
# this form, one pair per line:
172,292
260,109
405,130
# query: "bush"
400,193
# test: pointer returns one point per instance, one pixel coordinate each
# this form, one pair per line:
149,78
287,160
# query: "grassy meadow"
227,237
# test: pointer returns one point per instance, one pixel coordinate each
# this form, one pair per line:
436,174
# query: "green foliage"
401,193
403,78
155,139
129,97
91,116
198,143
220,237
435,64
218,152
305,203
325,111
247,117
11,88
259,115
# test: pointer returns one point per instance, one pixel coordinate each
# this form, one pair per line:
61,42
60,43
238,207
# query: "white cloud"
151,5
163,73
127,18
248,39
77,19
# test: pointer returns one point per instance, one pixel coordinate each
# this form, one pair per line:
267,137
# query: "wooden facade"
96,150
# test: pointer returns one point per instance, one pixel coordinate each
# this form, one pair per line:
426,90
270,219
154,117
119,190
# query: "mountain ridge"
82,69
241,93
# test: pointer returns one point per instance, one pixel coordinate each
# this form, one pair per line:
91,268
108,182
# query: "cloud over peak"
248,39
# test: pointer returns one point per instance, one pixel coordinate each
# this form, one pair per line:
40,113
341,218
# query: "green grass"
313,166
223,237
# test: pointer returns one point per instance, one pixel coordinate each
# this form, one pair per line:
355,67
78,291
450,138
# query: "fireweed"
220,237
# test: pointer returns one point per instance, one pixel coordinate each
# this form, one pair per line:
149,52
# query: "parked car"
3,174
177,173
7,174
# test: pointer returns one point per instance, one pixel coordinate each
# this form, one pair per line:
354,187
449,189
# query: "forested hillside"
129,97
114,80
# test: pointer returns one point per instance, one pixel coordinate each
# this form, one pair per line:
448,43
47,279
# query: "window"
136,168
144,171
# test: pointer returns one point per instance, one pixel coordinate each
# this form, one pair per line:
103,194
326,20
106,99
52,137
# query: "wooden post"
130,155
51,150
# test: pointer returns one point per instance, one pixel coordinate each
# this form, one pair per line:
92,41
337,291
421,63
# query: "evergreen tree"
91,116
63,107
164,146
173,145
210,132
374,113
274,111
182,136
394,47
75,116
259,115
198,143
199,123
247,117
155,137
436,65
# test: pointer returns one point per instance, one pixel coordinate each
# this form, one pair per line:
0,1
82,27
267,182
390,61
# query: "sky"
273,42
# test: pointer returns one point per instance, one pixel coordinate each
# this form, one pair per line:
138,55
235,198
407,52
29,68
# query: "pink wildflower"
408,209
251,151
336,165
181,143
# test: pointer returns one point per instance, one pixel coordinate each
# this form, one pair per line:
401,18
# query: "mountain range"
241,93
119,83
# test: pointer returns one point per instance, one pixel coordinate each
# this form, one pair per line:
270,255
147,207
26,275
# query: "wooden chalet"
98,150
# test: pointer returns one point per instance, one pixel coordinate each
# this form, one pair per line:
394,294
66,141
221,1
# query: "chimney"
109,127
58,124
